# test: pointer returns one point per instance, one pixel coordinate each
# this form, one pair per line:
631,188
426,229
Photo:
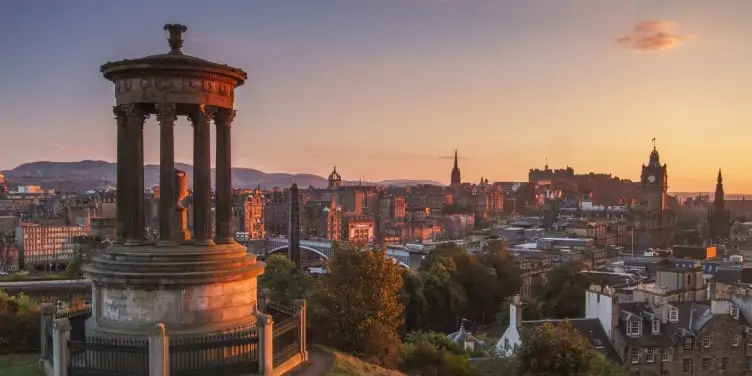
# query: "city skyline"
507,84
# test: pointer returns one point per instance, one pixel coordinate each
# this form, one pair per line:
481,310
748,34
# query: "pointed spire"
720,177
456,162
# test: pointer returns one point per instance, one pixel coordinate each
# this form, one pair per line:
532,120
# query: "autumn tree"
358,300
559,350
413,299
564,292
284,280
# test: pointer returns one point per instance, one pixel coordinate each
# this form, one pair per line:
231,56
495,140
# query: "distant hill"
88,174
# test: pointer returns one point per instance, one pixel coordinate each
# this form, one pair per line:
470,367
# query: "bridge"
322,250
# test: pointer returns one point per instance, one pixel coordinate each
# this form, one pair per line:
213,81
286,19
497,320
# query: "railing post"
60,353
159,351
302,312
47,314
265,327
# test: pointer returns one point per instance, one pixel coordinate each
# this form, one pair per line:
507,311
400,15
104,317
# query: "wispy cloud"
452,157
651,36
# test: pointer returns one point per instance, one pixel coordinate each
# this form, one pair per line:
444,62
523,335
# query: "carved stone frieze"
194,90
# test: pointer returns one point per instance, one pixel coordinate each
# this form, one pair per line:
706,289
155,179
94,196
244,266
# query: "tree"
359,307
559,350
284,280
532,309
445,297
564,293
425,359
414,300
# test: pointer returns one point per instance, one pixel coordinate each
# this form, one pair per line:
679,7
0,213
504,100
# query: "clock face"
651,179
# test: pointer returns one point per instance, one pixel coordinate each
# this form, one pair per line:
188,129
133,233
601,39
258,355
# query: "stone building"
248,215
654,220
719,217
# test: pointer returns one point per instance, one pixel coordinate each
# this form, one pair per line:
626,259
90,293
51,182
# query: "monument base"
191,289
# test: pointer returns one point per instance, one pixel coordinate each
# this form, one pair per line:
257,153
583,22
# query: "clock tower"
655,223
654,179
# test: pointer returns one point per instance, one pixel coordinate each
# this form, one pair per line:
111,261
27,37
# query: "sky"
388,89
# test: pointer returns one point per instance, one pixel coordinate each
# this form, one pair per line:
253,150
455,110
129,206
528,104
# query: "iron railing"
48,336
230,354
108,357
286,342
279,312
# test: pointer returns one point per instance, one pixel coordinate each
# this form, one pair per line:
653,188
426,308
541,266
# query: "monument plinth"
193,284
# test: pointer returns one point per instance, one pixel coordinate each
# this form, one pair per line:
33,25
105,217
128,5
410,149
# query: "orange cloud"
652,36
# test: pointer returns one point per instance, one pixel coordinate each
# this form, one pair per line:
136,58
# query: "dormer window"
656,326
673,315
734,312
634,328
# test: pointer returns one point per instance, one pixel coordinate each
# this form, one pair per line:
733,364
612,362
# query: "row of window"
707,364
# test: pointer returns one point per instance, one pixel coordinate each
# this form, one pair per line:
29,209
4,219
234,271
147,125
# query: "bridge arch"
323,255
309,249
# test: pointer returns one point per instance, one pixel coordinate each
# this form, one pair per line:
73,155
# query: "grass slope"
347,365
20,365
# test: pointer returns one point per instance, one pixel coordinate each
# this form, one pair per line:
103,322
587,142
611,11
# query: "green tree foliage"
564,293
285,281
461,284
359,308
73,269
19,324
431,353
438,340
559,350
414,301
532,309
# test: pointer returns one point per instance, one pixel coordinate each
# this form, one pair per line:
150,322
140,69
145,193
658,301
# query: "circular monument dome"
174,77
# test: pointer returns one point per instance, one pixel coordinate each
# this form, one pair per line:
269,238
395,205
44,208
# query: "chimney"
515,312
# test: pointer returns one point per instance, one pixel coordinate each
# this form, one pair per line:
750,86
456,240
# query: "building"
44,247
248,215
357,228
719,217
654,227
456,178
29,189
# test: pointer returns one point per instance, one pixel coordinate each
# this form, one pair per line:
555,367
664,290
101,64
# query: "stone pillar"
302,313
60,354
47,311
265,327
264,299
223,220
121,204
136,116
159,351
202,200
181,214
166,116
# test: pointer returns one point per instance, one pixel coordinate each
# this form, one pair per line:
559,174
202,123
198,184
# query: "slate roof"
591,329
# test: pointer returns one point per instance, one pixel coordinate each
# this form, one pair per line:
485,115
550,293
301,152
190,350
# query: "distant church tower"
293,228
719,218
335,180
456,177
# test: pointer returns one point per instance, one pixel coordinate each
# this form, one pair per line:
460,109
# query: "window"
724,363
735,340
706,364
748,363
687,365
633,327
706,341
650,356
673,315
688,343
506,343
665,355
656,326
634,356
734,312
664,373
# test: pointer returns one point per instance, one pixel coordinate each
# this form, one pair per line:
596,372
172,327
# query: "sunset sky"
387,89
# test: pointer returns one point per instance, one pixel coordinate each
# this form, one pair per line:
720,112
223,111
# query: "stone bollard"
302,312
265,327
159,351
47,315
60,353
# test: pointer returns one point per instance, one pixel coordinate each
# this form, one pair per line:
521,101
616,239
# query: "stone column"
47,311
224,199
166,116
202,200
302,313
159,351
60,354
136,116
121,204
265,328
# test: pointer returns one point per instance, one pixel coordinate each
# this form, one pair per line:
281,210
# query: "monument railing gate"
286,342
108,357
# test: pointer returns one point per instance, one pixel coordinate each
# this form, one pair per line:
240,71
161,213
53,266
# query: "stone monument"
193,285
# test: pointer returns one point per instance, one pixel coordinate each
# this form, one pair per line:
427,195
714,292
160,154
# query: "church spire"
456,178
720,177
456,162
